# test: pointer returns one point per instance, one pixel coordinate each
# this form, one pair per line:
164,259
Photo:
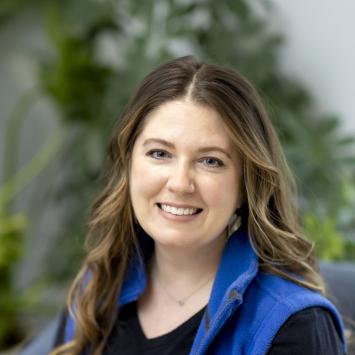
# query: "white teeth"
178,211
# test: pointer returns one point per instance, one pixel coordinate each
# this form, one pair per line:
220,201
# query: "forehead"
186,122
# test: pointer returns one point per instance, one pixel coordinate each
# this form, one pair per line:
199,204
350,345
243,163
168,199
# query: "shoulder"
271,300
311,330
287,294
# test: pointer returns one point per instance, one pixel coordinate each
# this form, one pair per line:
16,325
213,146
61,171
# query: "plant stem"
12,136
32,168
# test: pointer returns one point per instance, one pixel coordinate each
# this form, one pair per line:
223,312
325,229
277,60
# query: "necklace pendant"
181,303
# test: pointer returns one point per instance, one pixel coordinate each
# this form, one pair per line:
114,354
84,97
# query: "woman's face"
185,176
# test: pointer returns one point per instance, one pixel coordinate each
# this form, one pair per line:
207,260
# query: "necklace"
182,301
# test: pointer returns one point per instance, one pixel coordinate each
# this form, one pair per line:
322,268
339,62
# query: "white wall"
320,51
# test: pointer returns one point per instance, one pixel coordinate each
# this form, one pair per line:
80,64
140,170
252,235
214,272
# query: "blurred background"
68,67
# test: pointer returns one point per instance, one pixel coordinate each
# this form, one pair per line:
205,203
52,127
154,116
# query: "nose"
181,179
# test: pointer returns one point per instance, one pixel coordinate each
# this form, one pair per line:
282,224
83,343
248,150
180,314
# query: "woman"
194,245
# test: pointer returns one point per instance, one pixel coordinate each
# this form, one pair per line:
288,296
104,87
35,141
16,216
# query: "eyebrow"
171,145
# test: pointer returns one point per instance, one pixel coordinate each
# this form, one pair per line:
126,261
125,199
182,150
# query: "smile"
178,211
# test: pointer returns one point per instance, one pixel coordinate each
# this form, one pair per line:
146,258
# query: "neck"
185,268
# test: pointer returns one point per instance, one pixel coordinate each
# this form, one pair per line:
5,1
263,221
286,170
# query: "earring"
234,224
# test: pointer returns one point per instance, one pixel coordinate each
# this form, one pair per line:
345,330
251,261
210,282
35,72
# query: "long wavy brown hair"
268,191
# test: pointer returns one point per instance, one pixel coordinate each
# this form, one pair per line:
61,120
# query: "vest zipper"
217,323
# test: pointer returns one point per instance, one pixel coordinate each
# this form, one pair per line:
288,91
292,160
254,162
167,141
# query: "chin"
173,239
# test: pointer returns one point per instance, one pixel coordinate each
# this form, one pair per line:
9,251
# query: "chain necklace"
182,301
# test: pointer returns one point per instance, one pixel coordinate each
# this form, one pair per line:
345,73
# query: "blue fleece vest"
247,307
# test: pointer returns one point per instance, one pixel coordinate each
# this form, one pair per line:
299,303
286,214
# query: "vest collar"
237,268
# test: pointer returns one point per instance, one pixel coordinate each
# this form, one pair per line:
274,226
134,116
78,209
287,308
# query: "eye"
212,162
158,154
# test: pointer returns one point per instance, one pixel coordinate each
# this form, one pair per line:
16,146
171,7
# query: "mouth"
179,211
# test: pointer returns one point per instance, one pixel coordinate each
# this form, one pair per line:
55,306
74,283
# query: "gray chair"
44,342
340,281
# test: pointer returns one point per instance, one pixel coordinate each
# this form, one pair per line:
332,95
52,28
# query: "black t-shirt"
308,332
127,337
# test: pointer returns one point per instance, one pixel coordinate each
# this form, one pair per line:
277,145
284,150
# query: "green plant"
12,229
90,88
12,235
329,242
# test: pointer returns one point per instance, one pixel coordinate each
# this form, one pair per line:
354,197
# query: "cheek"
222,193
146,180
